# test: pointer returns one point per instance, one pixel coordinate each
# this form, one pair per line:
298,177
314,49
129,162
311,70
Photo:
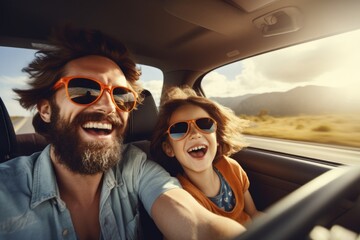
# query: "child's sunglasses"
86,91
179,130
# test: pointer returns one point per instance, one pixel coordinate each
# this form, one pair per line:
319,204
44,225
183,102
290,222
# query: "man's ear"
167,148
44,110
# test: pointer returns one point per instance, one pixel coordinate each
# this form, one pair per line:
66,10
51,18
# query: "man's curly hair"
67,44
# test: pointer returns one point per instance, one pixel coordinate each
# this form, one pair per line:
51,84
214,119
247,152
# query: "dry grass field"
341,130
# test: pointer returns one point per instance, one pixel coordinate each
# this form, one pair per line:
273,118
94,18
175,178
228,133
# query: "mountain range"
297,101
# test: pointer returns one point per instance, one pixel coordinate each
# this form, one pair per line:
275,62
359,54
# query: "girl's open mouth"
198,151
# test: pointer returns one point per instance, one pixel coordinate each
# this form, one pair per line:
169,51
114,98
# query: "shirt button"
65,232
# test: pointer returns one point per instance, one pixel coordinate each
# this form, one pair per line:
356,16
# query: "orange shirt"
238,181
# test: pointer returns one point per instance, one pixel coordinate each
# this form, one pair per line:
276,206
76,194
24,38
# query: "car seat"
7,134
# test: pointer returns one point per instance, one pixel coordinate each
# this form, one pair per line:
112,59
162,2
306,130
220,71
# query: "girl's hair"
228,133
68,44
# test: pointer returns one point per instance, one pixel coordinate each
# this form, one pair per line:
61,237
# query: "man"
86,184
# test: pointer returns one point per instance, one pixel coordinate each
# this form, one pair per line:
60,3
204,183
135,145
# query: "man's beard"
78,155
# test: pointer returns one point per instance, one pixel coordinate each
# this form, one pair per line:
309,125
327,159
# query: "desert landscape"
338,129
317,114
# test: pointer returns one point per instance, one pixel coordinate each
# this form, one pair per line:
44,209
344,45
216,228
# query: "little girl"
193,140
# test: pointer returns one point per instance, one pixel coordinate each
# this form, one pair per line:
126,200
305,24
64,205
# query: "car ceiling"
181,35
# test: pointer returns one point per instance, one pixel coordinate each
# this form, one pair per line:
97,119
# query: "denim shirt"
31,207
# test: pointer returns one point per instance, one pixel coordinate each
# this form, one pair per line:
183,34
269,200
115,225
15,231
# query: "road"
330,153
350,156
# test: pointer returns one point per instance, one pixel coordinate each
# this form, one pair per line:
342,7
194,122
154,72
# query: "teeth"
98,125
196,148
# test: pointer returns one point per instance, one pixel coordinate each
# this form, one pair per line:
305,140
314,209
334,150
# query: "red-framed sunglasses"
86,91
180,130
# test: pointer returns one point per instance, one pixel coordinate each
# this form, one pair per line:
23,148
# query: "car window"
14,59
306,93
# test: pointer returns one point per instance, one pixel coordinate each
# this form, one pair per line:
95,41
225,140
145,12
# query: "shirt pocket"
133,228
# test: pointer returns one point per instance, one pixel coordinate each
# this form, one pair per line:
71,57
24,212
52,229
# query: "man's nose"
105,103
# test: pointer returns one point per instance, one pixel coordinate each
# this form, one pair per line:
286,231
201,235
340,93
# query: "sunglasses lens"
206,124
178,130
124,98
83,91
87,91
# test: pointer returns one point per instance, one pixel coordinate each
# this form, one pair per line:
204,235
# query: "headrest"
7,134
142,120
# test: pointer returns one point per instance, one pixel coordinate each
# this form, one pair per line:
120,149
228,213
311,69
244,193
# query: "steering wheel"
294,216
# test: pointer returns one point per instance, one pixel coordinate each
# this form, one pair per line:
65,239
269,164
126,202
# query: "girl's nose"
193,131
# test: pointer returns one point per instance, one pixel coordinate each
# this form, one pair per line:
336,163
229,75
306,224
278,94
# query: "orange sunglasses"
86,91
179,130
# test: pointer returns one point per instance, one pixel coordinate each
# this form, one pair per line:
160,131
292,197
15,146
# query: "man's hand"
179,216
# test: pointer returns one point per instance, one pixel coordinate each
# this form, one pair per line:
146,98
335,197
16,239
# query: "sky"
330,62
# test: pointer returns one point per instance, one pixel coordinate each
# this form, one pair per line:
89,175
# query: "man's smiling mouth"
99,128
